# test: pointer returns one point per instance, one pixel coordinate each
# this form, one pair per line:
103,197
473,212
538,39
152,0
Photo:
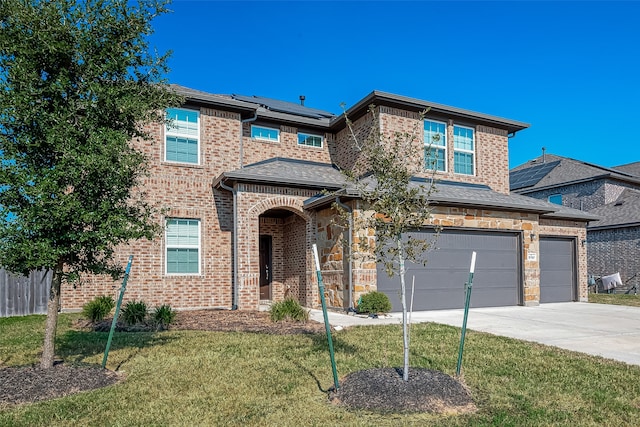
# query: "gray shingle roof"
625,211
323,176
282,171
295,113
566,171
630,168
448,193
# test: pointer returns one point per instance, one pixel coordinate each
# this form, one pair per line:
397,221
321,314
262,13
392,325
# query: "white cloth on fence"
611,281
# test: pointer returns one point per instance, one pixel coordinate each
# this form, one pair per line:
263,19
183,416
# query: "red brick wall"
256,150
185,191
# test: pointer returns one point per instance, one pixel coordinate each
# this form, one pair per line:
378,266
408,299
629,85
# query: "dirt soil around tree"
380,390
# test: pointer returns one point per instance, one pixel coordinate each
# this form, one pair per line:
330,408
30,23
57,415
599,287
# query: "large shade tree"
78,85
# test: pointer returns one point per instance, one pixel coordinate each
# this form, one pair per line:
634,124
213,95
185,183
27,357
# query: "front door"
266,273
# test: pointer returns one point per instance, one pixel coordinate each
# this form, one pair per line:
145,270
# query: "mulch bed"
384,390
379,390
33,384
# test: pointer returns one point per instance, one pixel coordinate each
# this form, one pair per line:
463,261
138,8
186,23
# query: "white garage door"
440,285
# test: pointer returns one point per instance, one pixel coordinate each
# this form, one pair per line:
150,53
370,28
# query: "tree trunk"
53,305
403,295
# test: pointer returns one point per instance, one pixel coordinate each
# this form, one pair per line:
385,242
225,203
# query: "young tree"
395,202
77,87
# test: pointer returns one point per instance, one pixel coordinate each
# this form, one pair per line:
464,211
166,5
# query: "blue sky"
570,69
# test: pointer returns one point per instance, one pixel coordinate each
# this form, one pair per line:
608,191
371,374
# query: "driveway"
609,331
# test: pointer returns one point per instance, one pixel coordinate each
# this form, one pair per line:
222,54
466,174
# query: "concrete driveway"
609,331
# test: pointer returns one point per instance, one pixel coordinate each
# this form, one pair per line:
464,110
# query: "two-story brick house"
249,185
611,194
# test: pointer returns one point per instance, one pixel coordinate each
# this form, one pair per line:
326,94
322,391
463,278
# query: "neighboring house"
611,194
250,183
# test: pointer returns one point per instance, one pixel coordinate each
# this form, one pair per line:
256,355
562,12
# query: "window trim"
168,133
310,134
555,195
443,147
465,151
260,138
167,247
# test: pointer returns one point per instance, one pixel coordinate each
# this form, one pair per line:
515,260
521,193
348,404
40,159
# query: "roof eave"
612,226
233,178
378,97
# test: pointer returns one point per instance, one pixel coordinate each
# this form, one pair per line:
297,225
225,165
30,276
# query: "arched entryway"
282,255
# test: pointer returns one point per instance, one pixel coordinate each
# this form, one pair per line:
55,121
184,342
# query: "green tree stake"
326,318
115,315
468,287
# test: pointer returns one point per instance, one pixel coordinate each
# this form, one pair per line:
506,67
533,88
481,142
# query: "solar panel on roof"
285,107
530,176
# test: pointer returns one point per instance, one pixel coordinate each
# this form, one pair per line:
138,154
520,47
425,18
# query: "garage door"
440,285
557,269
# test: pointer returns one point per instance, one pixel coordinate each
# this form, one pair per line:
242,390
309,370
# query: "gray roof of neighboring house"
630,168
290,112
550,171
624,212
323,176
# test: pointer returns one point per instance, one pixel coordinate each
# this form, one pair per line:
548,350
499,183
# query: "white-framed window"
435,145
182,136
182,237
265,133
310,140
555,199
463,150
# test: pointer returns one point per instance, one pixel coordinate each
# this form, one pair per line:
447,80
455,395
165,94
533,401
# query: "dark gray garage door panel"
557,269
440,285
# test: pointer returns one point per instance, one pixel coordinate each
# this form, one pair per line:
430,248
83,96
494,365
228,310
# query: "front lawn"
256,379
616,299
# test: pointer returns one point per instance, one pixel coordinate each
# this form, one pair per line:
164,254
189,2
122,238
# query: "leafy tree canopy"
77,86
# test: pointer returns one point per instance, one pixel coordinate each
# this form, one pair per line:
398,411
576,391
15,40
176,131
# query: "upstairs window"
555,199
182,136
309,140
435,146
265,134
183,246
463,150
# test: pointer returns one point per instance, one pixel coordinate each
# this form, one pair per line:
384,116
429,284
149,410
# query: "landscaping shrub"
134,312
98,308
374,303
289,309
163,316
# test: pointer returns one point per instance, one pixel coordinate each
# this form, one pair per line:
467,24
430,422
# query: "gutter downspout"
233,191
350,241
242,122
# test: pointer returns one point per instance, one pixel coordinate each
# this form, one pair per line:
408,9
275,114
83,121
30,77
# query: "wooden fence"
22,295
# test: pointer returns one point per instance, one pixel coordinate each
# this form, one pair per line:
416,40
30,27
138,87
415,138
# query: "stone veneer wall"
330,241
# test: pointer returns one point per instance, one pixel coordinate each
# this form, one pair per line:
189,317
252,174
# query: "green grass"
215,378
616,299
